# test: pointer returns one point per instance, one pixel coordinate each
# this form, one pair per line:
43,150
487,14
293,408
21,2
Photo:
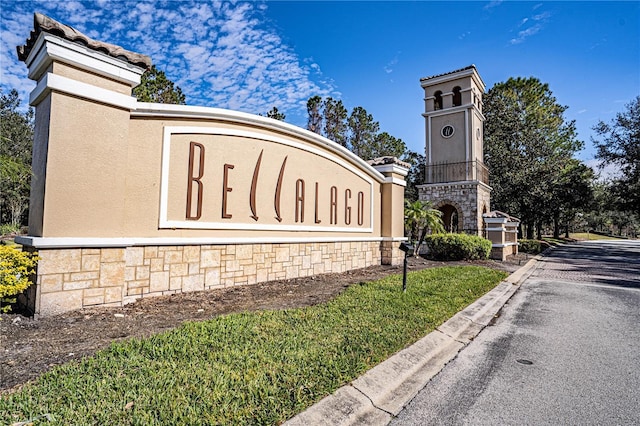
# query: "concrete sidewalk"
382,392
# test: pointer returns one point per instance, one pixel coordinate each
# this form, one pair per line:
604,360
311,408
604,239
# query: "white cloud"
542,16
492,4
391,64
524,34
608,172
221,54
533,25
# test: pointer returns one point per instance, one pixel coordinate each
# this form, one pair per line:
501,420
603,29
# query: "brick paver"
601,262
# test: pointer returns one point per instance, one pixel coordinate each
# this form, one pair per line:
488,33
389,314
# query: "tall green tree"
573,195
362,132
619,144
598,218
157,88
527,140
358,132
416,175
385,145
335,121
275,114
314,113
16,142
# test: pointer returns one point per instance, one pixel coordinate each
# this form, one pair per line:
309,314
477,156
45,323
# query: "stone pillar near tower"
456,178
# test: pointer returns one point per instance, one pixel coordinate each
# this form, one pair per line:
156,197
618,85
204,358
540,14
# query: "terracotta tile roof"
496,214
470,67
380,161
42,23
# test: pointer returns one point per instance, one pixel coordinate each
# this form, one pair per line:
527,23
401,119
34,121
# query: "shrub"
15,268
458,247
8,229
530,246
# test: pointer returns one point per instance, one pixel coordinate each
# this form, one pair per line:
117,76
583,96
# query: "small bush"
530,246
458,247
15,268
9,229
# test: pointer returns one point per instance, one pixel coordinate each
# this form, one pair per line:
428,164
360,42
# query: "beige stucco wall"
86,169
144,163
92,78
103,175
477,136
39,167
448,150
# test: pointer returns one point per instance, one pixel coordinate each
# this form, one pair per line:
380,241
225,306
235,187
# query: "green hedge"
458,247
530,246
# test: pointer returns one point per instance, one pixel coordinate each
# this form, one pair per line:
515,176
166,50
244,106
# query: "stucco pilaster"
392,206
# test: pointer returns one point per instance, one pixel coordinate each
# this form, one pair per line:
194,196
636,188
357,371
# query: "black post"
406,248
404,274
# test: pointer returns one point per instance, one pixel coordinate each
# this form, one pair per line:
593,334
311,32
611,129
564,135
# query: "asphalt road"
565,350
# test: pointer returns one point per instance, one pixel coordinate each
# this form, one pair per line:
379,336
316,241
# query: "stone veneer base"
468,197
75,278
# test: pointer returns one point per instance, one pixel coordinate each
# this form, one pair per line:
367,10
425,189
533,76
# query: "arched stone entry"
451,215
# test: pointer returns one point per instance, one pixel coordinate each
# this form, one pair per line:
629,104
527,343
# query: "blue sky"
251,56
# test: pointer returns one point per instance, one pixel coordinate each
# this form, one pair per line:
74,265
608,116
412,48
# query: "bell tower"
456,179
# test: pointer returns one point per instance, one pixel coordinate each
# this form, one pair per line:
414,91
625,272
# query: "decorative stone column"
392,216
502,230
82,103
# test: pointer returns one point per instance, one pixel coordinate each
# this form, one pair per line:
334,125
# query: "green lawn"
249,368
583,236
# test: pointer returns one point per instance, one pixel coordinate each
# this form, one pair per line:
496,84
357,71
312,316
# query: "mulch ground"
30,347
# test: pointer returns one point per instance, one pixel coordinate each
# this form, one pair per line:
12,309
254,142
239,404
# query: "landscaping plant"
15,268
458,247
530,246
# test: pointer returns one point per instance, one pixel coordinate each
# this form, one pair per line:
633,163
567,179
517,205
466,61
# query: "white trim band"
392,168
396,181
82,90
509,231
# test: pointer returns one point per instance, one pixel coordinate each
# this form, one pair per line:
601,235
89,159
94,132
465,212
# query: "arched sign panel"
235,179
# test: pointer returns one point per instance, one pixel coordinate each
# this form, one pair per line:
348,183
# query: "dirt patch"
30,347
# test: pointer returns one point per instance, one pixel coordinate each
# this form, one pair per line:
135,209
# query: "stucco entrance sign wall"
135,199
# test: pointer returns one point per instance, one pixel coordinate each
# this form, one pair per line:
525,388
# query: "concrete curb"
382,392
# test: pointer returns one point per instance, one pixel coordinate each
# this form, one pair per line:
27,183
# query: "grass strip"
249,368
582,236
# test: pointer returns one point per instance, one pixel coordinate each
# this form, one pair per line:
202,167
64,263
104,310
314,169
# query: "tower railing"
457,172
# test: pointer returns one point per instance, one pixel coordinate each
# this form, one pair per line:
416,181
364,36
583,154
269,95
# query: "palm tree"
420,217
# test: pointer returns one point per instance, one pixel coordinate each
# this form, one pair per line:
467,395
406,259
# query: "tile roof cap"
470,67
42,23
381,161
499,214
